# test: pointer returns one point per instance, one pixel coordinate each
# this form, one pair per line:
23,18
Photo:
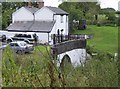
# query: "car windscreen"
14,44
23,35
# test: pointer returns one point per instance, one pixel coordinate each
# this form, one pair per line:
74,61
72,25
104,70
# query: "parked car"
30,38
19,47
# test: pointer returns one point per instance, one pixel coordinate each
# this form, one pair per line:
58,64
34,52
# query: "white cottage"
44,21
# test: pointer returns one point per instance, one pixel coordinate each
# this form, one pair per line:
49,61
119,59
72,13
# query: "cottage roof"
31,9
19,26
31,26
42,26
57,10
53,9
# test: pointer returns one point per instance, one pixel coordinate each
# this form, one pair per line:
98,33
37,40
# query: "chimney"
29,4
40,3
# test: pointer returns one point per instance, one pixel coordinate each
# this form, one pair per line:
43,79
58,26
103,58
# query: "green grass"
28,70
105,38
35,69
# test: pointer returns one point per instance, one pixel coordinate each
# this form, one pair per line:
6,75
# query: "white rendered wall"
42,37
59,25
8,34
44,14
22,15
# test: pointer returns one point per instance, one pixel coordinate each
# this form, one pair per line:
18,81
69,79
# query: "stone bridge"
72,50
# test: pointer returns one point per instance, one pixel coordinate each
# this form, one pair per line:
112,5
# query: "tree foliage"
79,10
109,12
7,9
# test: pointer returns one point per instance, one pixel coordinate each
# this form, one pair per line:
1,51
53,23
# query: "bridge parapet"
68,46
72,45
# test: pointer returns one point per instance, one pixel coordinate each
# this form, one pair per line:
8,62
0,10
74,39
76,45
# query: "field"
105,38
37,69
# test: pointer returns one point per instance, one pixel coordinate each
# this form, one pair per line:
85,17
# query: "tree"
109,12
7,9
79,10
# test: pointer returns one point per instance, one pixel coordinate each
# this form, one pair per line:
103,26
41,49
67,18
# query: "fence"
62,38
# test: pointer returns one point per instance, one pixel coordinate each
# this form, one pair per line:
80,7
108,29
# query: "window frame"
62,18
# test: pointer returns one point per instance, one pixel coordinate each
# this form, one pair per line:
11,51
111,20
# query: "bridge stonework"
77,57
75,49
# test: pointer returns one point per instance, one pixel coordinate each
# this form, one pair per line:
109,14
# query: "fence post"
62,35
61,38
58,35
54,39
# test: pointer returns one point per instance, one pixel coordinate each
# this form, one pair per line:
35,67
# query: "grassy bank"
105,38
37,70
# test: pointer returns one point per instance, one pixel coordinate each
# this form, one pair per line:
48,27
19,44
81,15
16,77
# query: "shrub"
38,70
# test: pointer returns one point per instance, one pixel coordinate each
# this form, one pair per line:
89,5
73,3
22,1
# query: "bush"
100,54
107,23
89,22
36,70
98,24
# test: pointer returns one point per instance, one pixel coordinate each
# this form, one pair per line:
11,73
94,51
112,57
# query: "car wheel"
8,41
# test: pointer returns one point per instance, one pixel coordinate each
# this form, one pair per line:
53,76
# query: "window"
17,35
11,44
28,36
14,44
23,35
61,18
66,19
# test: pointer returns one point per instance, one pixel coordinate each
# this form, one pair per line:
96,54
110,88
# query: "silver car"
19,47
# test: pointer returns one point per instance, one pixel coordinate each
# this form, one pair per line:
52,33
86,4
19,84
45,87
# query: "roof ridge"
31,9
57,10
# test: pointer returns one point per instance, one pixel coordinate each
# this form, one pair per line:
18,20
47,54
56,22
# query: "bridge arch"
76,56
65,58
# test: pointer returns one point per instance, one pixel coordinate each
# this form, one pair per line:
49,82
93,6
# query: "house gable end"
22,8
43,9
22,14
44,14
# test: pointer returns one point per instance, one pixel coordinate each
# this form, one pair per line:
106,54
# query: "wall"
43,37
60,25
44,14
8,34
22,15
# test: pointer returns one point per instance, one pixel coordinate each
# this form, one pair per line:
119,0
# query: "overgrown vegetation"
38,70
